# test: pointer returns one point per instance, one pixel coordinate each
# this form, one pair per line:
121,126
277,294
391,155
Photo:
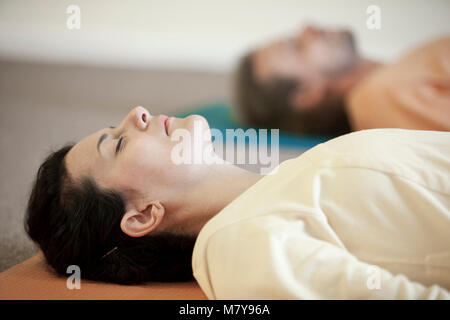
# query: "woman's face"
135,157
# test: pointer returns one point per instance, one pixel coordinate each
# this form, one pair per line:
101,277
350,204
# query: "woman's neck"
221,184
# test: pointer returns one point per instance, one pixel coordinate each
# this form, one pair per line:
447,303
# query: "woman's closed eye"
119,145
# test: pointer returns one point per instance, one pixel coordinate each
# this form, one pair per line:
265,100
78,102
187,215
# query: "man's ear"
139,223
308,95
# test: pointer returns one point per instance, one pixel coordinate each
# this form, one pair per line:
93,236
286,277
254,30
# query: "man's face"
314,52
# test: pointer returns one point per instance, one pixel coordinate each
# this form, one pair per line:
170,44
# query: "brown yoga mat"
33,279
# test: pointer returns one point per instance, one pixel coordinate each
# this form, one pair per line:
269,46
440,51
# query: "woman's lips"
165,122
168,121
163,119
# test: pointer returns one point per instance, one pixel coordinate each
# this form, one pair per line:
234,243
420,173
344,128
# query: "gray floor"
44,106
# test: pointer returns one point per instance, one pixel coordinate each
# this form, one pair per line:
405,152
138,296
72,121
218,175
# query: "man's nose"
310,31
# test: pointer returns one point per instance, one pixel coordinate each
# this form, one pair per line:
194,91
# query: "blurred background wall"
59,85
201,34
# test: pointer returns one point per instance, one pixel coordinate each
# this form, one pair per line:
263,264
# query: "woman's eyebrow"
102,137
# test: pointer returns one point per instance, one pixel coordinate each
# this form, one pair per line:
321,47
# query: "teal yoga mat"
220,117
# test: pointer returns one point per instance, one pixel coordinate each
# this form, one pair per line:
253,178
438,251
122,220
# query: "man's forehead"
262,63
271,60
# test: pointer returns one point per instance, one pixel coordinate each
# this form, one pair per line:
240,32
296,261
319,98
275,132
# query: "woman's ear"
140,223
309,94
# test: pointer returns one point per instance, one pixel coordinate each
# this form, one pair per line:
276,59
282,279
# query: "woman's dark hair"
267,105
79,223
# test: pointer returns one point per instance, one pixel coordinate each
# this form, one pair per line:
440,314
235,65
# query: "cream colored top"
413,93
363,216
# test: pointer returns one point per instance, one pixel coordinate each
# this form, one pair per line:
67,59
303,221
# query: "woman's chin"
199,127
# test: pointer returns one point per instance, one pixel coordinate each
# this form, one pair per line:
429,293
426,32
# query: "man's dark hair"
78,223
266,105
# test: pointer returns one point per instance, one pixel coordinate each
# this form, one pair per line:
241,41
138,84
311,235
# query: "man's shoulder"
437,44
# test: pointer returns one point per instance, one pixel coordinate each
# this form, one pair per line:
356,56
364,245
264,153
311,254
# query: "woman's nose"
139,117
